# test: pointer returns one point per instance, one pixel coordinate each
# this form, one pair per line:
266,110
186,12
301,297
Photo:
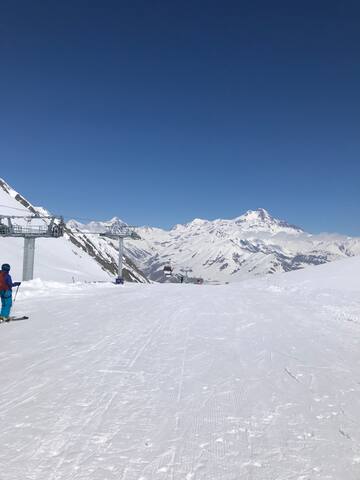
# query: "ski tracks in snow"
181,383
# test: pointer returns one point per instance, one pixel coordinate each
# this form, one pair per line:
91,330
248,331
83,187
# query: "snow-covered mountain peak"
197,222
96,226
115,221
253,221
261,220
74,225
260,214
43,211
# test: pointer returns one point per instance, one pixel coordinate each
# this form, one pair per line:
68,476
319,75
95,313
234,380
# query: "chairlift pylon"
51,227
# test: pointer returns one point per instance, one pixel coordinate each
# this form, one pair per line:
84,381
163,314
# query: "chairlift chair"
4,228
168,270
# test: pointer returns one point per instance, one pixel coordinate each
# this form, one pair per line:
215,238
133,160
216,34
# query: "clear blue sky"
162,111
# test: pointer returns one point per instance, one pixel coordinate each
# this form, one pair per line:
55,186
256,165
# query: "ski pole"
16,293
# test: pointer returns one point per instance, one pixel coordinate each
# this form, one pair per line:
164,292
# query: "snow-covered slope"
229,250
73,257
255,380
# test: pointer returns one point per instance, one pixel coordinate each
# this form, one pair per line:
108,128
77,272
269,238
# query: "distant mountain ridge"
222,250
252,244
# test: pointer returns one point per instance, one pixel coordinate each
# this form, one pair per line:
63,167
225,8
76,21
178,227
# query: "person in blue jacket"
6,286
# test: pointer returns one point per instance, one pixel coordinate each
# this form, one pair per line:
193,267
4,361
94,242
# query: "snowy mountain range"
252,244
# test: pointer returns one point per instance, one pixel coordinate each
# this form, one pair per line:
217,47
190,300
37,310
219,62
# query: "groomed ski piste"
258,380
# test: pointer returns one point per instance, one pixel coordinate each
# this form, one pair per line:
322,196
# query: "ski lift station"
30,228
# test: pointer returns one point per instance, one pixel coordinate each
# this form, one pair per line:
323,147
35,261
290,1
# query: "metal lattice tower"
119,231
50,227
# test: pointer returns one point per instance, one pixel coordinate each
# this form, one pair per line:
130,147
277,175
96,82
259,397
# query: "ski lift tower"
119,232
186,270
49,227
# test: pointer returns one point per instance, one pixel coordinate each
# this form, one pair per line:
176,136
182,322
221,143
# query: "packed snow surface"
257,380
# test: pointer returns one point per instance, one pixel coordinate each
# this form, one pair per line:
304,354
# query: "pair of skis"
14,319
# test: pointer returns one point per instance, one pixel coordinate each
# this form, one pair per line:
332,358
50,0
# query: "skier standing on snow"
6,285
